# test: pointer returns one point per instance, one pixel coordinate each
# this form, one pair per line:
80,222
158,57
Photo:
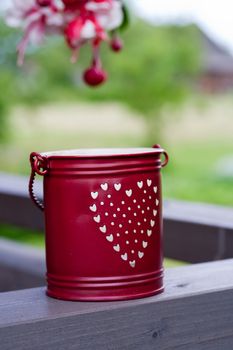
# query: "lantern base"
93,290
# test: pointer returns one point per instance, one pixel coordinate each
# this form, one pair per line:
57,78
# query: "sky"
214,16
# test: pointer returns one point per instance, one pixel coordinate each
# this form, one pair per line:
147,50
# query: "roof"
215,58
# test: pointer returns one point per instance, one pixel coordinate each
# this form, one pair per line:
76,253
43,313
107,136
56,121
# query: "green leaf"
126,18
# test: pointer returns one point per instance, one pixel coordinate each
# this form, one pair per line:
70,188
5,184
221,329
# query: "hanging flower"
36,18
80,21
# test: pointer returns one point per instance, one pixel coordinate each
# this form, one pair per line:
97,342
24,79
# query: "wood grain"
194,313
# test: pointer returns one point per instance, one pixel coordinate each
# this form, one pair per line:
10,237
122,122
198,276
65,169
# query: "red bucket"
103,219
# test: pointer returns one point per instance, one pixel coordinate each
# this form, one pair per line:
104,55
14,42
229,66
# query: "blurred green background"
153,96
158,91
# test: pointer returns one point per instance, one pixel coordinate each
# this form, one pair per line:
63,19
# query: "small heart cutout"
124,257
149,233
93,208
144,244
149,182
110,238
157,202
94,195
132,263
155,189
104,187
103,229
140,184
117,248
155,212
152,223
129,193
117,187
140,255
97,219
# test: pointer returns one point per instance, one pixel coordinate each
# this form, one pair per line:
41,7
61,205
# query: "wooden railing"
194,313
193,232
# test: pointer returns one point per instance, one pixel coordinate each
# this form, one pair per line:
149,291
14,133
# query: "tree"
156,69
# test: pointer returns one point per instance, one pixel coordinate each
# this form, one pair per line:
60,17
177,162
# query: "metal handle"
166,157
39,165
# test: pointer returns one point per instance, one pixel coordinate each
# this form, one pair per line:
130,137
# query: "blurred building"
217,66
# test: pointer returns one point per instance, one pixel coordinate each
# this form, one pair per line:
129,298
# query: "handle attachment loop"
166,157
39,165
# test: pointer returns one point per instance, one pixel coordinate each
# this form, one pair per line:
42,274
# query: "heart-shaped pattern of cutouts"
126,217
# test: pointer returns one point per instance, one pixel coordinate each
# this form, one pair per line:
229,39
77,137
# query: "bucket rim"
102,152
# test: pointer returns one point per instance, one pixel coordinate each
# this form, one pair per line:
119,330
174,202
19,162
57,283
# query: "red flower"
80,21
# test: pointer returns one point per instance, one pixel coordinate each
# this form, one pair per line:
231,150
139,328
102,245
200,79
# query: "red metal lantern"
103,218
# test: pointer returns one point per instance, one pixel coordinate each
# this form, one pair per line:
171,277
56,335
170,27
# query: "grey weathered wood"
194,313
16,279
16,207
200,213
195,243
193,232
20,266
197,232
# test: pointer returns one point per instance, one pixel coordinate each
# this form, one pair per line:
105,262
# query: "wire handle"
39,165
166,157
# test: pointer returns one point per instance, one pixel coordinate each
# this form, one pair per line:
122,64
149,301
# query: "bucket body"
103,219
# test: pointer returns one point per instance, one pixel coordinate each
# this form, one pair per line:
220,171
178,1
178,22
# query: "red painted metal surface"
103,216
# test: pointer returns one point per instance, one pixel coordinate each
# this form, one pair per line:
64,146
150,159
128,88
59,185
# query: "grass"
22,235
191,174
36,239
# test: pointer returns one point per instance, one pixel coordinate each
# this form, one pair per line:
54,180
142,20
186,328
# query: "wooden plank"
197,232
194,313
16,207
174,210
21,266
200,213
193,232
196,243
16,279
